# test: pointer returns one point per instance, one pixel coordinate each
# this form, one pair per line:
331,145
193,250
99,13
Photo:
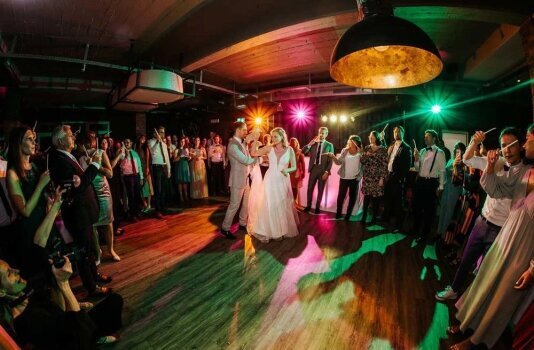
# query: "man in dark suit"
318,167
80,208
400,161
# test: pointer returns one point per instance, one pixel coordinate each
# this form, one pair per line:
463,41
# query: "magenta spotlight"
301,114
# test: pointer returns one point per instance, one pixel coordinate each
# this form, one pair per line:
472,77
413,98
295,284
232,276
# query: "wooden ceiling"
249,44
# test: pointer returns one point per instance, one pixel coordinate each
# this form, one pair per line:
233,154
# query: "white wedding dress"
272,213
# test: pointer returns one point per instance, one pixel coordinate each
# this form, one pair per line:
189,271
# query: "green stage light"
436,109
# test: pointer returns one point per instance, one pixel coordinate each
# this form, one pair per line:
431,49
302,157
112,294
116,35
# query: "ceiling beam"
344,20
498,53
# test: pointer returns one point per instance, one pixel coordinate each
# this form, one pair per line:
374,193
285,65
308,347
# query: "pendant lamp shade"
384,52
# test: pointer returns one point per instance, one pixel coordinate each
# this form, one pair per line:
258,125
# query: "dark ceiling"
250,46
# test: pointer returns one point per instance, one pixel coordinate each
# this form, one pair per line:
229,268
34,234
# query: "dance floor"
336,286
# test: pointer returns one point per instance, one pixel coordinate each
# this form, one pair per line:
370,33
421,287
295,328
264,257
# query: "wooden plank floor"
336,286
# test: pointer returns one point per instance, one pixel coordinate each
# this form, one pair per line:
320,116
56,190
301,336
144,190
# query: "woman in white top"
350,174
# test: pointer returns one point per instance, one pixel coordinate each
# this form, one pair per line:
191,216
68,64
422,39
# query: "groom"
319,166
240,164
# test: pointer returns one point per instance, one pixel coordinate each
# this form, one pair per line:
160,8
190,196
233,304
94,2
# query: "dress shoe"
103,278
119,232
317,211
306,210
347,217
227,234
101,291
243,228
108,339
338,216
158,215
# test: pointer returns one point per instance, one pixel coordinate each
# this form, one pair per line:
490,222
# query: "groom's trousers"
236,194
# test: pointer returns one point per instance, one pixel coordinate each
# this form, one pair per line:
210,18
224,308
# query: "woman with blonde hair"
277,217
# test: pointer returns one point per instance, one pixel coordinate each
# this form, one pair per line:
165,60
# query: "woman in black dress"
26,186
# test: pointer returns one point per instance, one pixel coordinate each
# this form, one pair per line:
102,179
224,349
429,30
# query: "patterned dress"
375,167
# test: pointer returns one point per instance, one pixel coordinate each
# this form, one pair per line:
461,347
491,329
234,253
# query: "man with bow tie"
430,166
80,212
400,161
240,166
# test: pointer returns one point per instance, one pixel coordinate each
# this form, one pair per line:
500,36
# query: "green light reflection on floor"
437,329
339,266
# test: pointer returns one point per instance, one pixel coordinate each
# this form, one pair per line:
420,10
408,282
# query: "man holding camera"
80,208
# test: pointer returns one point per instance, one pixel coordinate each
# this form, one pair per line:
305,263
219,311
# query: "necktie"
318,155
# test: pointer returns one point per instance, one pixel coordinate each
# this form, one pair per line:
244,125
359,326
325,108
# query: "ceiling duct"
146,90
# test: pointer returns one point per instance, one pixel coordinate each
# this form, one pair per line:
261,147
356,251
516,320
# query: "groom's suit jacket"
326,162
240,163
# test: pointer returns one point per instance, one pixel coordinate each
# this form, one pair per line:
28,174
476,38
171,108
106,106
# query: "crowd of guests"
61,203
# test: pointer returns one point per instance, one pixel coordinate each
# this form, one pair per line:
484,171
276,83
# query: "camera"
58,258
68,186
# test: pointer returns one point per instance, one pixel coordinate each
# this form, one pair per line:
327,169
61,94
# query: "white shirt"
321,146
76,160
392,156
352,166
495,210
157,157
425,163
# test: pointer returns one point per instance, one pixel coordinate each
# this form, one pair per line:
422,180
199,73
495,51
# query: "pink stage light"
301,112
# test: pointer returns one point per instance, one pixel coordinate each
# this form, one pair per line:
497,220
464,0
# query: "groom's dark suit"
79,211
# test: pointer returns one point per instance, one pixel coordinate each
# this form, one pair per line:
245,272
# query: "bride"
272,213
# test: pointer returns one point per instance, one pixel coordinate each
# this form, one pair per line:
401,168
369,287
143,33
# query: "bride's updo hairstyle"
282,134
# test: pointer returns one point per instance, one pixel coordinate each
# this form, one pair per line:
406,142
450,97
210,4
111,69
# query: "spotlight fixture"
383,51
333,118
436,109
343,119
258,121
324,118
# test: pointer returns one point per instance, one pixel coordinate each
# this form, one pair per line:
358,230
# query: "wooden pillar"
527,36
140,124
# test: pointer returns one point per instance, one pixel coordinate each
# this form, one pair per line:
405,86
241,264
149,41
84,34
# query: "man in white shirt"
430,165
160,168
495,211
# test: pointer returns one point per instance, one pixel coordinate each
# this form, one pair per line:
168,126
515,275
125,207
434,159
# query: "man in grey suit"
240,166
319,166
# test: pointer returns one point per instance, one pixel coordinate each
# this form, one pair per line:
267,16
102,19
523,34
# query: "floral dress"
375,167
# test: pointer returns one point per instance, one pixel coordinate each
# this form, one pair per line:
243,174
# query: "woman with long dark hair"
141,147
26,185
454,185
375,168
297,177
350,174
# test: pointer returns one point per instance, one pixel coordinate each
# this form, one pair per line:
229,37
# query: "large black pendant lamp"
383,52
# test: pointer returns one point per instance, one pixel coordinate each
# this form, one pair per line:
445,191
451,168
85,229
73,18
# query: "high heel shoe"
115,257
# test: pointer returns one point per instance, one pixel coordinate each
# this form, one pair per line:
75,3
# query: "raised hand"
44,179
415,154
479,137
